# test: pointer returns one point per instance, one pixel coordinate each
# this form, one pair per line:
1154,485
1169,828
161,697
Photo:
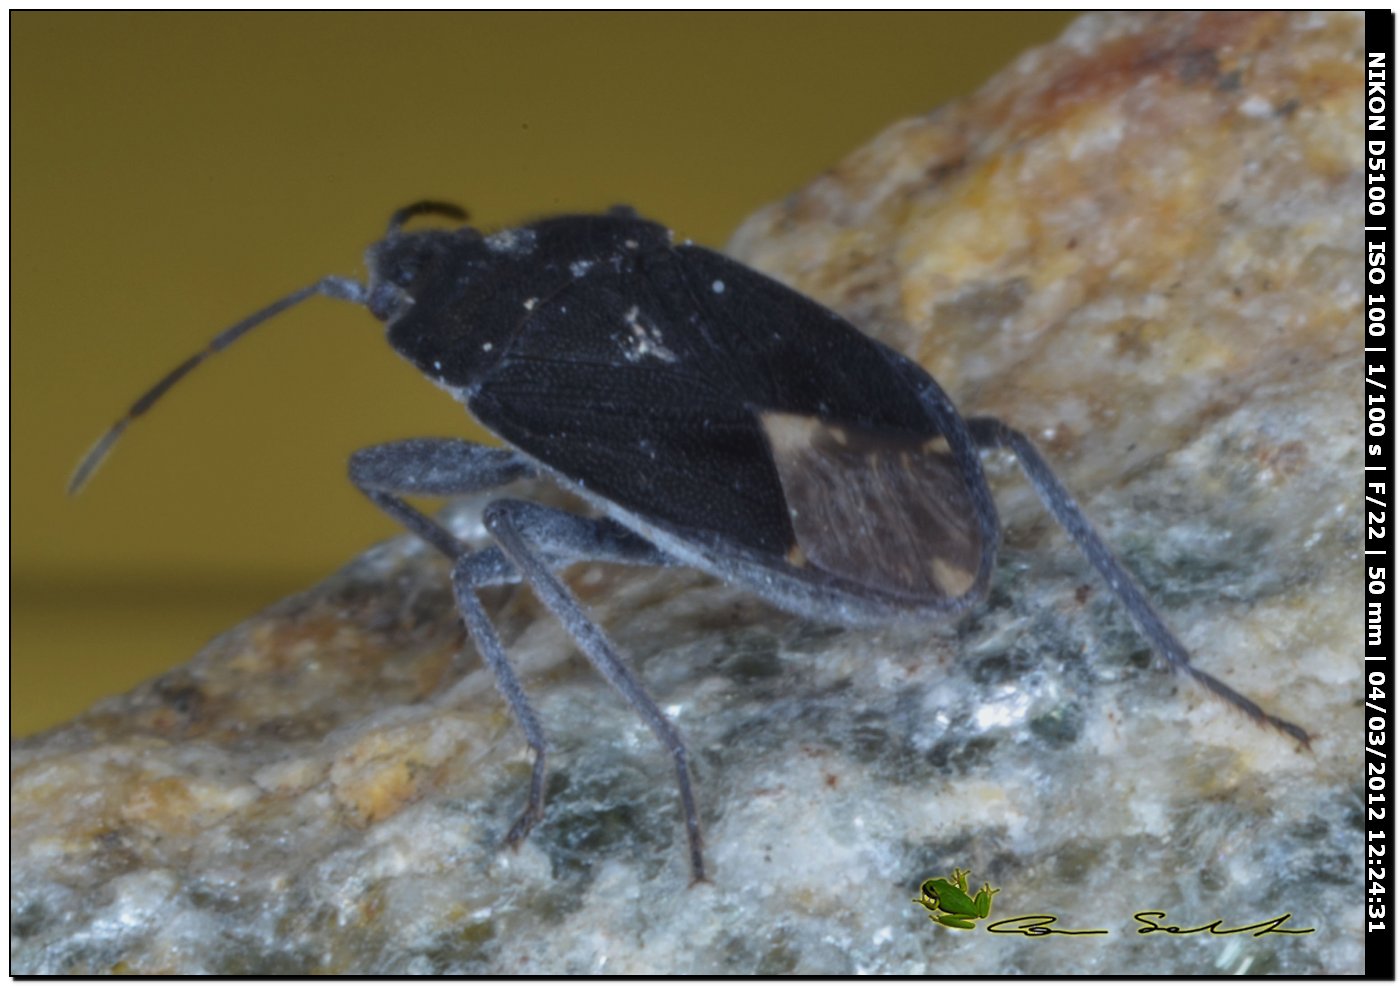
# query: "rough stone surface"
1139,245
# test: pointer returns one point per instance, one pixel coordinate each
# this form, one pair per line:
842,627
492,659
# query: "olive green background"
170,173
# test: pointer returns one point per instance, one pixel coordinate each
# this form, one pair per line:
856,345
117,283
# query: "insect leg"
564,538
514,527
431,467
572,538
444,467
448,467
991,433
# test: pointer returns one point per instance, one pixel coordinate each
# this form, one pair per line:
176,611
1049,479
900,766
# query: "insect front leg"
431,467
445,467
992,433
527,543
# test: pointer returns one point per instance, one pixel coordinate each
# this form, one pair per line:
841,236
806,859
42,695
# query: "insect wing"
874,493
888,512
601,384
708,398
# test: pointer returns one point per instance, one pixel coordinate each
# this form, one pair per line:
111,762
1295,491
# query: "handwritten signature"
1038,925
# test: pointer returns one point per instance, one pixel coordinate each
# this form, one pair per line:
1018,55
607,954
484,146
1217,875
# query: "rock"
1141,246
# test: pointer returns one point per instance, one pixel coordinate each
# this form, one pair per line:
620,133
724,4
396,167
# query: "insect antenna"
332,287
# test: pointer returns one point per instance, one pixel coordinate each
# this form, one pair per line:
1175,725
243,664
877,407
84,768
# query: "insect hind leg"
992,433
515,526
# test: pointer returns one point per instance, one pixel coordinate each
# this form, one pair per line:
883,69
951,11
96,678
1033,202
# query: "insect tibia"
343,288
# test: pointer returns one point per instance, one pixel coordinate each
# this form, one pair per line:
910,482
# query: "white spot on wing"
643,341
580,267
717,287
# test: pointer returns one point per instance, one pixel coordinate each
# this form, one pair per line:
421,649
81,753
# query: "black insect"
714,417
